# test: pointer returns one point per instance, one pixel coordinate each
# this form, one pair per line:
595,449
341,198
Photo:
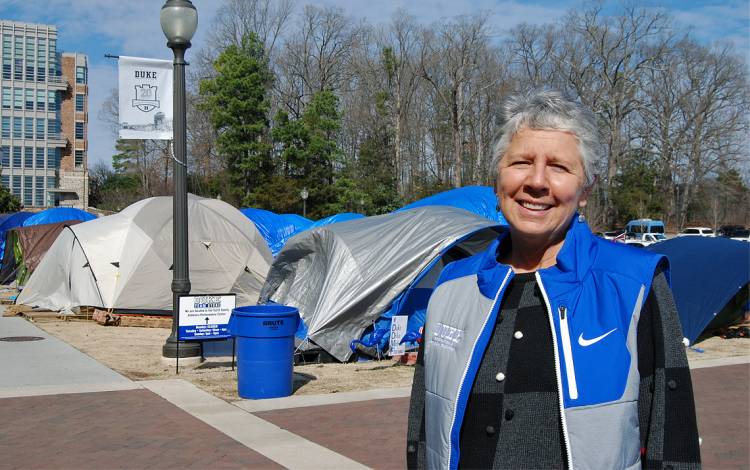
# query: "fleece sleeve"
415,433
669,433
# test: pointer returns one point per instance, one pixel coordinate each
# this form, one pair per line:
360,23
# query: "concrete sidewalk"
62,409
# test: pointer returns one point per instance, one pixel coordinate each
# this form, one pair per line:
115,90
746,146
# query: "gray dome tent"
342,277
124,261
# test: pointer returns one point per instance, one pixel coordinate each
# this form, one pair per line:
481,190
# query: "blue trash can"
265,349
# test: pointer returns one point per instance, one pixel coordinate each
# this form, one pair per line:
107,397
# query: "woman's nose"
537,177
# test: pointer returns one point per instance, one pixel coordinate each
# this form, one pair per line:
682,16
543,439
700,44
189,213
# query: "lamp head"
179,20
304,193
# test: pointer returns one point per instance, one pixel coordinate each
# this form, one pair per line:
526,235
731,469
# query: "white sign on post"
203,317
145,104
398,330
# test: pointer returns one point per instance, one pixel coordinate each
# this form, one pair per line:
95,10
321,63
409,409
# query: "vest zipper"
570,371
468,364
560,398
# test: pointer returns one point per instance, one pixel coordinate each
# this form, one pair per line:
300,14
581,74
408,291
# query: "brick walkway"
139,429
373,432
124,429
722,398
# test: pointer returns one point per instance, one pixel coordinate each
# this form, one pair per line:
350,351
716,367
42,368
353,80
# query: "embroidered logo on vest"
447,336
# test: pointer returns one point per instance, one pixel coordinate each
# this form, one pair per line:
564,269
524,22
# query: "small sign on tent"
205,316
398,330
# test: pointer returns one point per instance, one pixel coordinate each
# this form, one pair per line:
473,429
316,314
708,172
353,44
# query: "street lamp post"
179,20
303,194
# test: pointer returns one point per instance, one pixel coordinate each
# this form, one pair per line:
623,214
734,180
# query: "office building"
43,118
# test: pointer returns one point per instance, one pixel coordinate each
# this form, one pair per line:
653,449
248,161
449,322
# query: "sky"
98,27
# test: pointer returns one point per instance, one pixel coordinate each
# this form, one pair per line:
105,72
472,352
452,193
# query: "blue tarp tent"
707,273
58,214
336,218
480,200
300,223
276,229
10,222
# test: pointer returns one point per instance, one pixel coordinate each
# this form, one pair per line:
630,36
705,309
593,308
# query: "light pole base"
187,349
184,361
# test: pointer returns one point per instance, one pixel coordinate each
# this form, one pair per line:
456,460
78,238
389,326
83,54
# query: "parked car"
729,230
697,232
639,227
742,235
612,235
646,239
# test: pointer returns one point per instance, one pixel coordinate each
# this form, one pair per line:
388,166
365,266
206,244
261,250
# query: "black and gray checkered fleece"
515,423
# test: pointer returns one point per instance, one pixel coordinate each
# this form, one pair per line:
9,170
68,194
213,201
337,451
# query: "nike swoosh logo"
588,342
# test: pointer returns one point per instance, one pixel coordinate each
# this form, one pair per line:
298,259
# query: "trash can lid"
265,310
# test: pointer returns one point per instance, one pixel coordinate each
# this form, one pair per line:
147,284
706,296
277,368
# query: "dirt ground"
136,353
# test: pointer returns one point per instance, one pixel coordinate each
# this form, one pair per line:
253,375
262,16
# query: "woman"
553,348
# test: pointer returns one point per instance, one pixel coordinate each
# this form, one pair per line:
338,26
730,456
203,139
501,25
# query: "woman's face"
541,183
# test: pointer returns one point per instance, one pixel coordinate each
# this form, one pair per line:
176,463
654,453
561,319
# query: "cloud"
725,22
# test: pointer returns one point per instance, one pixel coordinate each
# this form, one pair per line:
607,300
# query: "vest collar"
572,264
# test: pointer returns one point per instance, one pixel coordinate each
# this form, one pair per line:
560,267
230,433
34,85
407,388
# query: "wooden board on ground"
146,321
106,318
13,310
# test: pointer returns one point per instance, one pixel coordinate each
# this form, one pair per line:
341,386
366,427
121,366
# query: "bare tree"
603,59
449,62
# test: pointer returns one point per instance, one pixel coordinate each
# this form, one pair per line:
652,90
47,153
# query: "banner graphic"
145,98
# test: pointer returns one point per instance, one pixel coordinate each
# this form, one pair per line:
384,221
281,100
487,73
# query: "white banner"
145,98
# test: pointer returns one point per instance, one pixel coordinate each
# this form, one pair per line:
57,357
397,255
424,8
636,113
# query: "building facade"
43,118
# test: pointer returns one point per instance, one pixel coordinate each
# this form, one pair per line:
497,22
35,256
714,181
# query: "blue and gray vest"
593,297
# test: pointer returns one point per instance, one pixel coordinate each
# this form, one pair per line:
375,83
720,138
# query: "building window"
39,191
79,102
81,75
7,97
5,181
28,128
18,69
18,98
30,71
79,159
28,190
40,157
28,157
16,190
7,68
40,129
53,129
7,44
52,160
51,101
5,156
29,99
79,130
6,127
29,47
40,101
17,128
51,183
18,46
17,157
40,73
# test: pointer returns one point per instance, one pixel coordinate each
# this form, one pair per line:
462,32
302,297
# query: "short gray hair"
549,109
